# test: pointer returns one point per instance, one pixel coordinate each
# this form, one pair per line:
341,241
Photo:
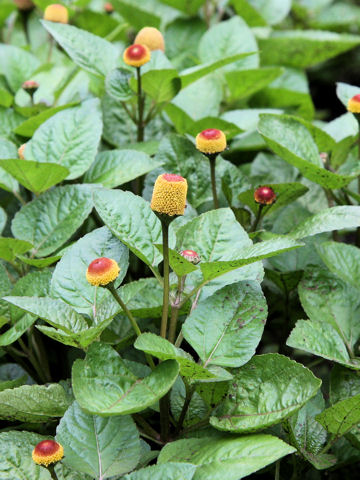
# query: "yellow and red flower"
137,55
30,86
211,141
102,271
169,194
108,7
47,452
56,13
354,104
264,195
191,256
151,37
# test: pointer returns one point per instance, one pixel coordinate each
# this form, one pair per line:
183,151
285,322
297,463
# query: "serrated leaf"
51,219
87,50
17,65
16,331
131,219
36,177
243,83
341,417
117,84
69,282
103,385
264,392
167,471
33,403
112,444
11,247
69,138
226,328
225,457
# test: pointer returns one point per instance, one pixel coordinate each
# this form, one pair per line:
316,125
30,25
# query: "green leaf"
11,247
192,74
226,457
249,13
6,99
273,11
16,331
69,282
39,262
164,350
116,167
285,193
12,376
89,51
341,259
190,7
112,444
131,219
335,218
226,328
17,65
281,133
117,84
29,126
69,138
178,263
344,91
341,417
51,219
167,471
243,83
264,392
103,384
228,38
304,48
141,14
33,403
15,456
36,177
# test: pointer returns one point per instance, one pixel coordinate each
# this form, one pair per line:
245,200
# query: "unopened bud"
151,37
211,141
56,13
190,256
169,194
264,196
137,55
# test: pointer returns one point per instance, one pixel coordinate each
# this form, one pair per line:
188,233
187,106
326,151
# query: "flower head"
137,55
264,196
102,271
21,151
30,86
56,13
211,140
169,194
108,7
151,37
47,452
354,104
24,4
190,256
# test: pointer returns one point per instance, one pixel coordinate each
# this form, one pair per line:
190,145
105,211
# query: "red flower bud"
30,86
137,55
190,256
108,7
264,196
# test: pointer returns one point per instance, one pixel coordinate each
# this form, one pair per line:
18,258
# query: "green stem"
114,33
189,393
166,290
175,309
212,160
146,427
332,440
140,98
33,360
38,346
257,219
51,469
277,470
51,48
130,316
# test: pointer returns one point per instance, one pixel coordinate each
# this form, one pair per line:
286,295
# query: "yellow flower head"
102,271
24,4
137,55
151,37
211,140
264,196
354,104
169,194
56,13
21,151
47,452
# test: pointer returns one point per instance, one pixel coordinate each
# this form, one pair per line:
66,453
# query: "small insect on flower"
21,151
264,196
211,141
47,452
353,105
190,256
151,37
108,7
137,55
56,13
169,194
102,271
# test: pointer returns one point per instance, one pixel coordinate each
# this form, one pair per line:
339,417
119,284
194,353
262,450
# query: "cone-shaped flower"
151,37
190,256
47,452
211,141
56,13
354,104
169,194
264,195
24,4
137,55
21,151
102,271
30,86
108,7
